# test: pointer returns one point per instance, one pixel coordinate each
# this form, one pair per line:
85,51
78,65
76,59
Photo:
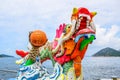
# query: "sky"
19,17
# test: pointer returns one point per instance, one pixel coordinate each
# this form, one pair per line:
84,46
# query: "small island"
4,55
107,52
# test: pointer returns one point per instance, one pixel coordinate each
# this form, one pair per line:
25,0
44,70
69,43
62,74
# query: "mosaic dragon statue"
66,51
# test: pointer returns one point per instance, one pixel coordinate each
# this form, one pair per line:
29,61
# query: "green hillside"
108,52
4,55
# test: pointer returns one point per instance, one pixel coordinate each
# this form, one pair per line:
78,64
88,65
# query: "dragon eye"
68,26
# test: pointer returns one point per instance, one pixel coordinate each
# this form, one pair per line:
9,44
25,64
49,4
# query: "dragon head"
83,22
78,13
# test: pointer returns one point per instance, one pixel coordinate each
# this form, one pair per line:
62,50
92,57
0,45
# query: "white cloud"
31,11
108,36
18,17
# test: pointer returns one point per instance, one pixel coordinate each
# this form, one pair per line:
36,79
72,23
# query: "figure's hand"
58,55
19,61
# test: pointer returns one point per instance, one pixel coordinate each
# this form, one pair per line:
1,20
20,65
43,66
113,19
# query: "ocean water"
101,67
93,67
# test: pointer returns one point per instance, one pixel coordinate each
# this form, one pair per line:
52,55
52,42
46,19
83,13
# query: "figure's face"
68,29
37,38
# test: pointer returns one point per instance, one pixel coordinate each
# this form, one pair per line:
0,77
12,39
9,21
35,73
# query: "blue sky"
18,17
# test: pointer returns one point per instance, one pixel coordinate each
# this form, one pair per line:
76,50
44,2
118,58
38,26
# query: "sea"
94,68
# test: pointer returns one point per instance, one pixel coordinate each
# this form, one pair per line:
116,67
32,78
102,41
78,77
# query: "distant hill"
119,50
108,52
4,55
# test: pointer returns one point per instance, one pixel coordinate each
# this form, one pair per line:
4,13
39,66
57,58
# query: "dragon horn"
93,14
75,10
